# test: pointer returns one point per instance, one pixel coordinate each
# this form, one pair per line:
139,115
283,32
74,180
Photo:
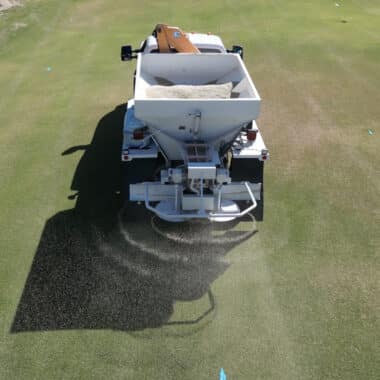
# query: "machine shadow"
102,266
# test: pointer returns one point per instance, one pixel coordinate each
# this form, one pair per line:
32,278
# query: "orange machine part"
170,38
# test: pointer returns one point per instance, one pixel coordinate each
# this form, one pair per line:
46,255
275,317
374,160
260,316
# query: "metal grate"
197,152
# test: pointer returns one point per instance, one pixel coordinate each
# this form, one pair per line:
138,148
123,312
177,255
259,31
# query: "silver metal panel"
194,202
159,192
156,191
236,191
204,170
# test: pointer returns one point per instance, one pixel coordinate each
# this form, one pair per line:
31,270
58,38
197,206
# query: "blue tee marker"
222,375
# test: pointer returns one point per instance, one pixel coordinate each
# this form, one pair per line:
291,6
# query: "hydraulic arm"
171,38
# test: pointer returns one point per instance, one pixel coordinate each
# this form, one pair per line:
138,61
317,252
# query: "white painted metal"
193,131
222,176
204,42
168,208
159,192
173,119
207,42
237,191
175,175
243,148
166,211
227,208
130,154
204,170
193,202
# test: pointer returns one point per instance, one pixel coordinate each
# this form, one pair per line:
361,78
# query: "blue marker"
222,375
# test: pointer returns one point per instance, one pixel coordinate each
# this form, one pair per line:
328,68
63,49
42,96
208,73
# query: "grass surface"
81,298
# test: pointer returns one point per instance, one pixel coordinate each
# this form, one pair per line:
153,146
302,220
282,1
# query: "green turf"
297,300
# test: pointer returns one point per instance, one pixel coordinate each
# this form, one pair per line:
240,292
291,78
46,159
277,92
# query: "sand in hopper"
210,91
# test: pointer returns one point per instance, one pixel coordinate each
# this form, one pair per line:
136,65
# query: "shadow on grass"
97,267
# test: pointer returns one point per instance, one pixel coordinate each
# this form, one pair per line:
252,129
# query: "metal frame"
185,195
202,214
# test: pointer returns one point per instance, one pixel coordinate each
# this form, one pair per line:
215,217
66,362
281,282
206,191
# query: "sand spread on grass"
7,4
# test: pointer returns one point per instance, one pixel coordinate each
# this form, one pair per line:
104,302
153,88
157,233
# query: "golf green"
89,292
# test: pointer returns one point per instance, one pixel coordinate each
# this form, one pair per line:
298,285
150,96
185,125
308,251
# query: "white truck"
191,146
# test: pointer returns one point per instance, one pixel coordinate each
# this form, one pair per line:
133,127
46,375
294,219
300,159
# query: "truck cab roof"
206,43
